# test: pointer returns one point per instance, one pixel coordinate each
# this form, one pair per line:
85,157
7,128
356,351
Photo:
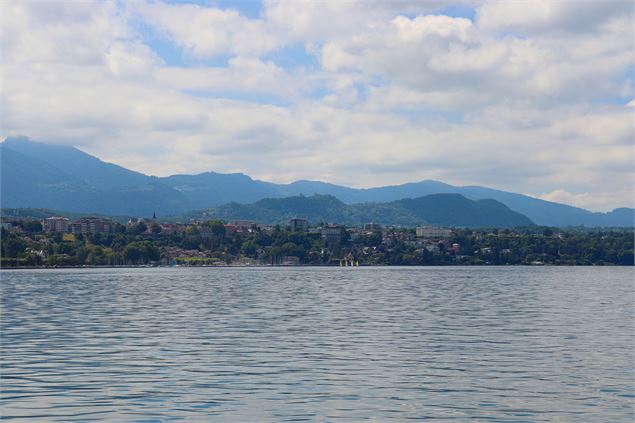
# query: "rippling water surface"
327,344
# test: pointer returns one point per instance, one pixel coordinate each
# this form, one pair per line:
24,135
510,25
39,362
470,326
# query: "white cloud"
205,32
398,93
247,75
433,53
59,32
131,60
586,200
422,27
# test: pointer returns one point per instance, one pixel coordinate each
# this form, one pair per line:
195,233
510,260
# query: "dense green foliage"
130,246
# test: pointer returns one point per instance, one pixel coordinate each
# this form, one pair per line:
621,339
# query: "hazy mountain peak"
16,138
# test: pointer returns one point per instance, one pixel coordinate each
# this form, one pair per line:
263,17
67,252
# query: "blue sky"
533,97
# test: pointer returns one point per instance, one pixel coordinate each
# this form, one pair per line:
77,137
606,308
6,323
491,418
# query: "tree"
13,247
139,228
192,230
141,252
626,258
292,249
33,260
133,253
32,226
373,240
218,228
81,254
155,228
248,248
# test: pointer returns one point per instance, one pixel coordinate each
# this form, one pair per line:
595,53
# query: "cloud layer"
530,97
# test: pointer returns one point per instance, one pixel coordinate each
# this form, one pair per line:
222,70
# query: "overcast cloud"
530,97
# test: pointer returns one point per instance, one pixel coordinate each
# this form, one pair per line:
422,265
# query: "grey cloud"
561,16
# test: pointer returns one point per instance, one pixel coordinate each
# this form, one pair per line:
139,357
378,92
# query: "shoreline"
243,266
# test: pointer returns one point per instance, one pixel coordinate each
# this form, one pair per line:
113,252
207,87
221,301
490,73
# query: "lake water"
510,344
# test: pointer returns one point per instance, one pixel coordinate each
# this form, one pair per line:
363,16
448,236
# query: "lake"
512,344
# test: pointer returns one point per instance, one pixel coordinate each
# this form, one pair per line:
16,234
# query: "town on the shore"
96,241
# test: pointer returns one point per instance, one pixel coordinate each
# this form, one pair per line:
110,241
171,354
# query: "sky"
533,97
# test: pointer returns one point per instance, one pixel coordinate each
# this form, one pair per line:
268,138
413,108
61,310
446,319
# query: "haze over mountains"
39,175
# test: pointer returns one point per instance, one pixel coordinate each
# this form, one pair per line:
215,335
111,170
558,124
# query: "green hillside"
436,209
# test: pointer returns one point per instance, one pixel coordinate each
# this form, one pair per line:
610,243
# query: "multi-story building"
433,232
134,221
298,224
230,230
243,225
332,234
56,224
268,229
372,227
173,228
92,225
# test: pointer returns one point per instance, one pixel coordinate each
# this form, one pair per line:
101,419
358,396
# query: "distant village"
58,241
432,238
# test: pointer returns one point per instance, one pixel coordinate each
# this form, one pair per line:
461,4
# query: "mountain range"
40,175
433,209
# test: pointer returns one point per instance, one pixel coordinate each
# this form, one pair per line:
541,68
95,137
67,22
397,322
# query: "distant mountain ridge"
433,209
55,177
64,178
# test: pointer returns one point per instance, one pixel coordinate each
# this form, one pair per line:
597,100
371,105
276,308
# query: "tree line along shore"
30,243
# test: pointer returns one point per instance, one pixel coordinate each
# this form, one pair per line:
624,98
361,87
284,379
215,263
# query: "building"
290,261
267,229
230,230
243,225
173,228
433,232
353,234
92,225
134,221
332,234
372,227
56,224
298,224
